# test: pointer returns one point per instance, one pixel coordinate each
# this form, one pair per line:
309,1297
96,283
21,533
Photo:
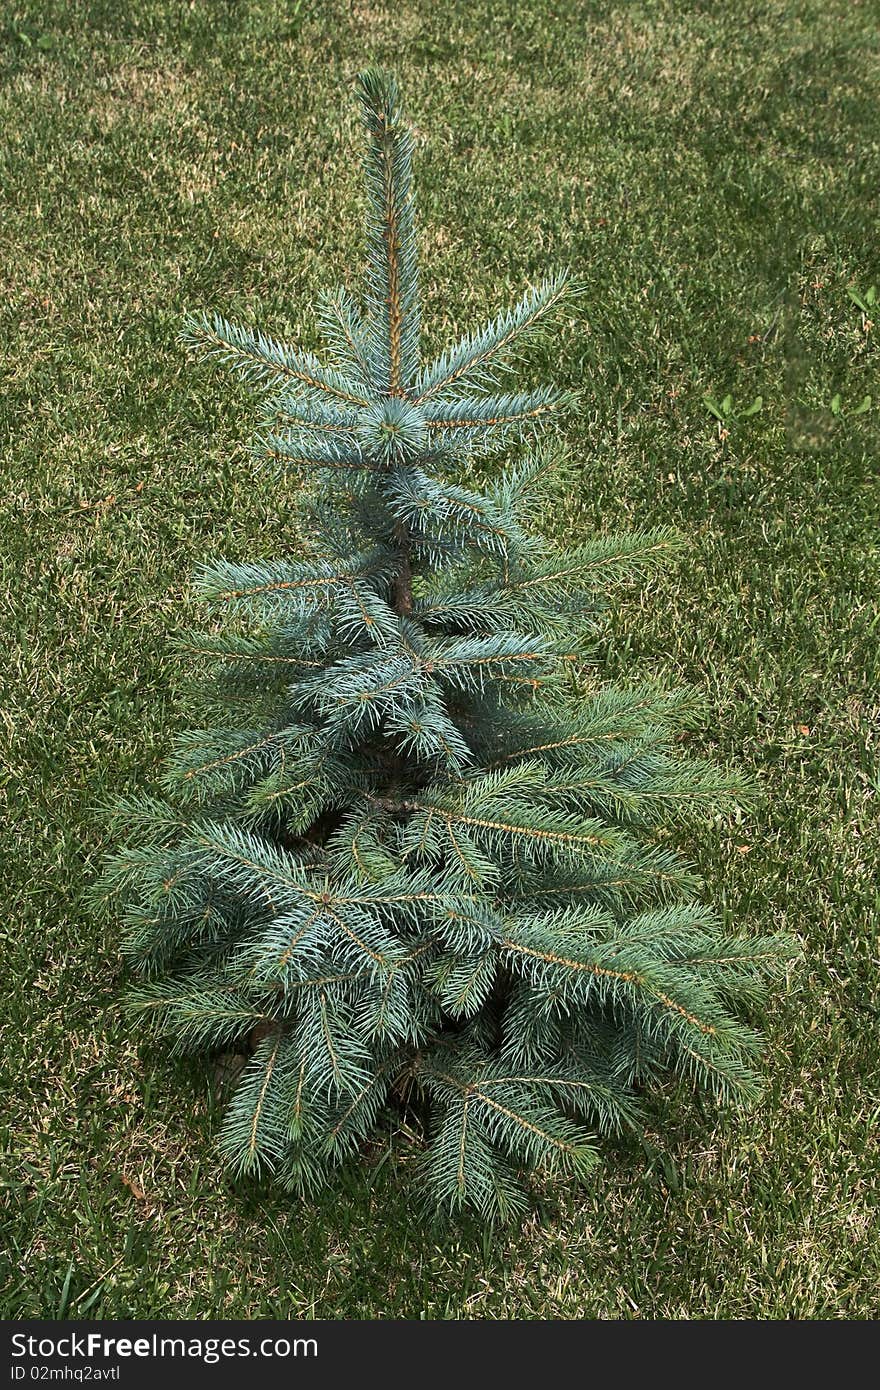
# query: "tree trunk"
401,589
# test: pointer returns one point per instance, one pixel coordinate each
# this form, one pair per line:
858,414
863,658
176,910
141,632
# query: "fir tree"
415,860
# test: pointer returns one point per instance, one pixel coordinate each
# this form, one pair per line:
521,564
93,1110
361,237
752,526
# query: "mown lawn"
711,171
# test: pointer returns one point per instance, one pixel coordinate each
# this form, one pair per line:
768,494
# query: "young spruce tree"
419,864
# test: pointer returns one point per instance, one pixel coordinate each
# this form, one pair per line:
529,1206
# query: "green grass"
712,172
